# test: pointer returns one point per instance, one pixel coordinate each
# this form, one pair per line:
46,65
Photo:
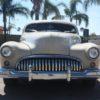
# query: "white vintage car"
50,50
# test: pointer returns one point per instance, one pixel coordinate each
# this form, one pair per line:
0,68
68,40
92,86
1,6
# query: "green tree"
79,17
88,3
50,8
8,8
36,8
93,36
47,9
72,13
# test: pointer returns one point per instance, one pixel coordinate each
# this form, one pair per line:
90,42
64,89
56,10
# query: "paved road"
49,90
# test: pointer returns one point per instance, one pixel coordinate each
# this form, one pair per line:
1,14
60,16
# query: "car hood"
48,43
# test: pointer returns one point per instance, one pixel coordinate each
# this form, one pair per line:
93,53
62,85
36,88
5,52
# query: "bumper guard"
12,73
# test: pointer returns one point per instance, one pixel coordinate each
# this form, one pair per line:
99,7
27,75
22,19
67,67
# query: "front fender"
19,50
81,51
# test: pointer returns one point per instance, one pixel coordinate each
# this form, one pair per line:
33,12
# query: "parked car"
50,50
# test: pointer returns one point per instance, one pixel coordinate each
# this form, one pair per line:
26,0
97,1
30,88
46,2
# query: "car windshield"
54,27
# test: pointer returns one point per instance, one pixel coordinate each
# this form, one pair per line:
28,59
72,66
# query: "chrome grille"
49,63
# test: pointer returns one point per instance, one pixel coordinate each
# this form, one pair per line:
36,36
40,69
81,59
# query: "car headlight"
6,51
76,40
93,53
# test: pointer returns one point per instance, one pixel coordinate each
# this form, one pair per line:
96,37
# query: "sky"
93,12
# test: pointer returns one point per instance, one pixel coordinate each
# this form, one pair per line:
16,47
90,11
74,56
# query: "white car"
50,50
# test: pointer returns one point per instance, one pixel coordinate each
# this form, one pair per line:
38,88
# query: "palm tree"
73,4
56,17
72,13
7,8
88,3
48,8
79,17
36,8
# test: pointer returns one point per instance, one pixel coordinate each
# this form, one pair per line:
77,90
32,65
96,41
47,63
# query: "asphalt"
49,90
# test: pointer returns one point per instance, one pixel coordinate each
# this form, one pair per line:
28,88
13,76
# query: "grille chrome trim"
49,63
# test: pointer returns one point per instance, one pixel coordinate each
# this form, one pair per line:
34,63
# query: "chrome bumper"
11,73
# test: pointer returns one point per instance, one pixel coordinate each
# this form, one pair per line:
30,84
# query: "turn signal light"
92,64
6,63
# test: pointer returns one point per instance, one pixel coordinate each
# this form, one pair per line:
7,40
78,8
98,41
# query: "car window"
54,27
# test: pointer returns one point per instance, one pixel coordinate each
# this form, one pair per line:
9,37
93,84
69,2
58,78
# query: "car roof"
52,21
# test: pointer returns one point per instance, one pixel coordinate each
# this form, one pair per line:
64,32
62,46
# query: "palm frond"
68,12
18,9
32,13
82,17
58,17
73,4
5,2
88,3
62,4
1,11
50,8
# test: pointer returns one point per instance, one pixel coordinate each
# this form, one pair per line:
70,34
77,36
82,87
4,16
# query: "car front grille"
49,63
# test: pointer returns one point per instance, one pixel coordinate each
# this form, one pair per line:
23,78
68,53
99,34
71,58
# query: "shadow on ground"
51,90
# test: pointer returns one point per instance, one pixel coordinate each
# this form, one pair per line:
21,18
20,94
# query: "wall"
9,38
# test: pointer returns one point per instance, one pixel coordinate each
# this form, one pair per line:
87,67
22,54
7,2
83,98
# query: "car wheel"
10,82
89,83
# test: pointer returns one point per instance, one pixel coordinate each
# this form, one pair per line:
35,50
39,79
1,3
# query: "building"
1,30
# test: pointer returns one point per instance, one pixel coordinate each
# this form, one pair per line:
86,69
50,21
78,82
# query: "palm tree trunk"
44,12
36,8
4,21
76,18
9,26
36,15
70,18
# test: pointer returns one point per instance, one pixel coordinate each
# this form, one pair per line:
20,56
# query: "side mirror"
86,33
85,37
